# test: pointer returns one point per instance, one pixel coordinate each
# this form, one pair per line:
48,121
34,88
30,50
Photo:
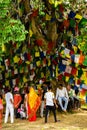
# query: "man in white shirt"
9,106
62,95
49,103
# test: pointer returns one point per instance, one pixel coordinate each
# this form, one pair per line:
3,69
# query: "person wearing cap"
17,100
62,96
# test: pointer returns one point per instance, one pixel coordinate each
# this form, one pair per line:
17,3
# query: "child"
50,103
21,111
1,111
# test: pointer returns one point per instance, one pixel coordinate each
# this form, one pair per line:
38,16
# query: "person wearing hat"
17,101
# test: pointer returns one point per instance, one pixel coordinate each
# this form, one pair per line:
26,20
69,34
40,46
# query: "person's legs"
11,114
66,103
54,113
46,113
6,114
42,109
60,102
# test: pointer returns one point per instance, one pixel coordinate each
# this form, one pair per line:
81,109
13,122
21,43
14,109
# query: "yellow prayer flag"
68,56
67,79
75,49
58,2
7,83
3,48
48,17
56,71
51,1
30,33
37,54
38,63
27,62
78,16
24,79
85,82
49,62
83,77
62,52
16,59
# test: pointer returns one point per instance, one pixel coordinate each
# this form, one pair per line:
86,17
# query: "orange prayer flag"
81,59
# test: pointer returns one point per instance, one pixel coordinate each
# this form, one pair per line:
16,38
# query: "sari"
34,103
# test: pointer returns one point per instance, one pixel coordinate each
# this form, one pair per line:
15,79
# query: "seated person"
22,112
62,95
73,97
71,94
77,102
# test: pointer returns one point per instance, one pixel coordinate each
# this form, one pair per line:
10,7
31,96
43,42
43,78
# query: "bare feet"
64,110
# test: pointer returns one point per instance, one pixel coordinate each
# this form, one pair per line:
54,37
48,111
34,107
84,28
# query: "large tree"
51,25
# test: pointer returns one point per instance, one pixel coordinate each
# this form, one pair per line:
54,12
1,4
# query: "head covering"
16,89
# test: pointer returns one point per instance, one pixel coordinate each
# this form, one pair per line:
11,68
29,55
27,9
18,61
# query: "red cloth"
31,118
67,74
17,100
74,71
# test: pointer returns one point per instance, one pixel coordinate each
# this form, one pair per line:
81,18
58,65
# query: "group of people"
64,97
27,105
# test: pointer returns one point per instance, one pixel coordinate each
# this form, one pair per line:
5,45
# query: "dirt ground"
68,121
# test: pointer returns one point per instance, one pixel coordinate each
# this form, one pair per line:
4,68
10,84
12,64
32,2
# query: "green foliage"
4,4
11,30
82,39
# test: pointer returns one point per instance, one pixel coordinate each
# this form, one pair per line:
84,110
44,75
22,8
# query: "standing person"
62,95
26,91
50,103
33,104
17,101
43,91
9,106
1,110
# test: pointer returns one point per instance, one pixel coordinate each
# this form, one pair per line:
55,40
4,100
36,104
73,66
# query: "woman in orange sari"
33,104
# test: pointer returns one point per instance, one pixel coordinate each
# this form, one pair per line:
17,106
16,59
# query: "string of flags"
31,63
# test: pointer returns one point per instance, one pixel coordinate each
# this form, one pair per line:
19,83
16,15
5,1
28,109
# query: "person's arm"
66,93
45,100
11,99
55,103
57,94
